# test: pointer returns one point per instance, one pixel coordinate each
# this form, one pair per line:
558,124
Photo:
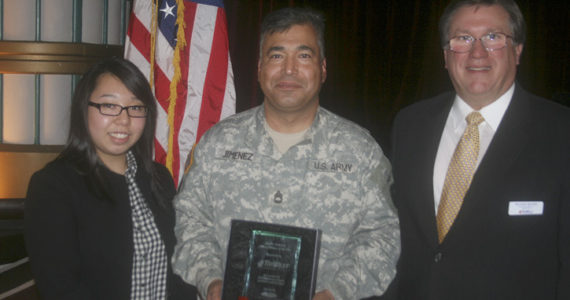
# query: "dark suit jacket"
487,254
81,247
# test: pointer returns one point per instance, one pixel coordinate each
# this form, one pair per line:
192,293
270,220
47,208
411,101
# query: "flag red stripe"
140,37
161,88
215,83
159,153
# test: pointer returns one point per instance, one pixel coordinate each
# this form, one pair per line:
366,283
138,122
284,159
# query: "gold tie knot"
474,118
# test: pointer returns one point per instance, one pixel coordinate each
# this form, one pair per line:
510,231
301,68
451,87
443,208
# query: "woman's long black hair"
80,150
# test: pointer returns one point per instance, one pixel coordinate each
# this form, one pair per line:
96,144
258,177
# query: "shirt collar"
492,113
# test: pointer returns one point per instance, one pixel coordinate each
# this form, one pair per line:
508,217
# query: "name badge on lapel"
526,208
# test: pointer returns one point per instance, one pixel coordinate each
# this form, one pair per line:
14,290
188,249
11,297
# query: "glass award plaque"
271,261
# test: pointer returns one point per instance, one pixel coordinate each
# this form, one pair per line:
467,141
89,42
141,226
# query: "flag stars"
168,10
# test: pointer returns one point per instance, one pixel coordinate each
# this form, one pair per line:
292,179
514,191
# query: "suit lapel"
431,130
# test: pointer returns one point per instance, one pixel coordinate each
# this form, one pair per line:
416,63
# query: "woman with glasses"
99,218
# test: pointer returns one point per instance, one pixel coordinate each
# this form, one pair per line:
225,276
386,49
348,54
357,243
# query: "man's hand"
323,295
215,290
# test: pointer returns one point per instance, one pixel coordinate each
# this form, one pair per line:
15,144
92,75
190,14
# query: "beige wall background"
18,165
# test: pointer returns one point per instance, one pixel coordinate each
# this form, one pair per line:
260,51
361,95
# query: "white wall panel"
20,20
18,108
55,105
56,20
92,21
114,26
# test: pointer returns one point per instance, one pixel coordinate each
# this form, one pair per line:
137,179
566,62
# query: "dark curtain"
384,54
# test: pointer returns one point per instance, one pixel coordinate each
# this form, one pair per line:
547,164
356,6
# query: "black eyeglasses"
490,41
109,109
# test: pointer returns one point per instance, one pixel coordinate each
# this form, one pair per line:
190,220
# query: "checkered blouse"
149,257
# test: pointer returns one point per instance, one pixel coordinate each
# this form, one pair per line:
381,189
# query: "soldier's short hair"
283,19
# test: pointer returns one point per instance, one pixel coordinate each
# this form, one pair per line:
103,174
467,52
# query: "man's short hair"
283,19
517,23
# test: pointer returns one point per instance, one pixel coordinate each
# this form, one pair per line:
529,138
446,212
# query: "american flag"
186,43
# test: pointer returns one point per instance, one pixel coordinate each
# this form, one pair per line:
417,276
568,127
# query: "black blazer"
487,254
81,247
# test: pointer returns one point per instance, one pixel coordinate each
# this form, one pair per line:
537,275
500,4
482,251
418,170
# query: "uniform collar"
258,138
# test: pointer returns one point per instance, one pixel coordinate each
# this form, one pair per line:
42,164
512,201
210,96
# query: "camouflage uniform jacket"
337,179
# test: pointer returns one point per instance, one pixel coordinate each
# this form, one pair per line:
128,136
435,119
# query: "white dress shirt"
454,128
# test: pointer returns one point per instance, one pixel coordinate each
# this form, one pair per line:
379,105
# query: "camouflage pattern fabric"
337,179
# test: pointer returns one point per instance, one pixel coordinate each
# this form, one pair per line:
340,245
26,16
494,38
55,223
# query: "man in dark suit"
482,175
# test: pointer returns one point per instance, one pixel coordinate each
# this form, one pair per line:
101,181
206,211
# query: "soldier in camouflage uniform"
291,162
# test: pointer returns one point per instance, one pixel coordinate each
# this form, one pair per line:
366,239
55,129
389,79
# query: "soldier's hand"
215,290
323,295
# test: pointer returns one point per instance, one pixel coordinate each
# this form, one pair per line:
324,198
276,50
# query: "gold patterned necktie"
459,175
